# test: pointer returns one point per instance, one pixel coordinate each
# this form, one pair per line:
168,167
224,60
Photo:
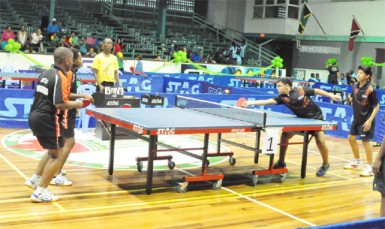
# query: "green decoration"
369,62
180,56
11,41
276,63
16,47
33,60
8,47
331,61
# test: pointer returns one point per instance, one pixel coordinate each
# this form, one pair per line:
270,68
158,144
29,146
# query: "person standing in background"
105,67
243,52
333,73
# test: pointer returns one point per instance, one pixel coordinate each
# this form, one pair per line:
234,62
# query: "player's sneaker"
43,196
33,182
368,171
279,165
60,180
322,170
355,164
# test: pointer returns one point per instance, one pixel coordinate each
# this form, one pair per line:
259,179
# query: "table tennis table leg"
150,163
205,152
112,149
257,145
304,153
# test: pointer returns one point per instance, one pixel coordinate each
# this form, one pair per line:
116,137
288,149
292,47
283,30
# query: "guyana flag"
306,13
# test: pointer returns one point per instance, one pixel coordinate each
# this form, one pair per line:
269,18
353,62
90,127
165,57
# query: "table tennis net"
257,118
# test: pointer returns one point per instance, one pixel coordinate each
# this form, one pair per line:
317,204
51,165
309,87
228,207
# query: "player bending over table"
298,100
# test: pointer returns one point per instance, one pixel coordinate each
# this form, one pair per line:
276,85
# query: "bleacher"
135,25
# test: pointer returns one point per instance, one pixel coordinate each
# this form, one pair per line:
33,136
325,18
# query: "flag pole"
359,25
319,25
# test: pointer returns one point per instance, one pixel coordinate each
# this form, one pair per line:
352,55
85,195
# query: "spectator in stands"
44,19
91,53
312,78
53,28
7,34
22,38
83,46
195,57
117,46
235,51
317,77
184,49
106,67
139,67
64,41
74,40
243,52
298,100
63,29
37,41
93,42
210,60
119,57
342,80
365,109
55,41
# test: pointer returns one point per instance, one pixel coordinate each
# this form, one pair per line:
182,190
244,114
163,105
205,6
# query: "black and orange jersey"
300,102
364,100
52,89
70,115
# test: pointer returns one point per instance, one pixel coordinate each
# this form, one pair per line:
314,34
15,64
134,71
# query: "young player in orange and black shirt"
70,119
365,109
46,122
298,100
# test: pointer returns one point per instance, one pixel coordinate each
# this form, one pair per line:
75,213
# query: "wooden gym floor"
97,200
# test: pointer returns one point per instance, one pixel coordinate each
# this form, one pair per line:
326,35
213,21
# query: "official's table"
260,82
149,123
4,76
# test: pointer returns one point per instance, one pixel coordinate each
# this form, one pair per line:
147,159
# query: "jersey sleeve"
309,91
373,98
278,99
96,63
61,91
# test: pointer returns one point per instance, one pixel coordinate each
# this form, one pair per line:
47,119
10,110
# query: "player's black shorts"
379,180
358,129
69,132
105,84
51,142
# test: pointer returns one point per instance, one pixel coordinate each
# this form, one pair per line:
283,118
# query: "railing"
263,55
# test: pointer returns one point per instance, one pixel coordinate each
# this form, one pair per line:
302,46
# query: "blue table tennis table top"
151,120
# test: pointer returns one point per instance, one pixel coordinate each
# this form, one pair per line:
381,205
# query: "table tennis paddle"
86,102
240,101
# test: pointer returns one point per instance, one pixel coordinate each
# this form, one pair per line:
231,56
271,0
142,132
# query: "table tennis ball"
226,91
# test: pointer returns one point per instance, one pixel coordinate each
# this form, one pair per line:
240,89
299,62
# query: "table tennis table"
149,123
